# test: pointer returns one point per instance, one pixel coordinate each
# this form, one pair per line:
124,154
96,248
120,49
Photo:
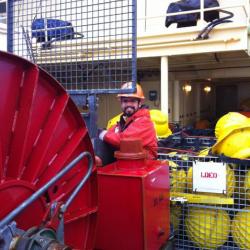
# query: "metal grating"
89,46
207,220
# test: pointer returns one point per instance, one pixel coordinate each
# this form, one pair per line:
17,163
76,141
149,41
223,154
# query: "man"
135,122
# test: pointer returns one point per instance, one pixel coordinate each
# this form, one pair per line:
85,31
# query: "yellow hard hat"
113,121
139,92
207,228
230,120
234,141
175,216
247,185
241,228
204,152
177,178
243,153
160,121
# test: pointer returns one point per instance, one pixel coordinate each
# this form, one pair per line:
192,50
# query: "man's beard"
129,113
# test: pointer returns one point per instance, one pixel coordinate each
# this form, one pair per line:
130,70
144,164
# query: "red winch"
45,157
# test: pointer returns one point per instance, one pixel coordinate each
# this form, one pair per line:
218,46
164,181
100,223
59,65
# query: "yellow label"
201,198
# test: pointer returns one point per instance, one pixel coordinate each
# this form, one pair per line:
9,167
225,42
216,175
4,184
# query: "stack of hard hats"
247,185
177,178
241,228
228,122
159,119
207,228
175,216
233,136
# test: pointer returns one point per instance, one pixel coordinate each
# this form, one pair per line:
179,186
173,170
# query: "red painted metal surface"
133,211
41,131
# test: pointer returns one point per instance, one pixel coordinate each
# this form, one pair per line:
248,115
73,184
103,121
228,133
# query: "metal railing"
147,19
88,46
209,220
7,219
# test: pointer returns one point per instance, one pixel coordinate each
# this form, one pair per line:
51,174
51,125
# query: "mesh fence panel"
88,46
206,220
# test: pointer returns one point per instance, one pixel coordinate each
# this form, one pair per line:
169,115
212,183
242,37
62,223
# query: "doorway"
226,99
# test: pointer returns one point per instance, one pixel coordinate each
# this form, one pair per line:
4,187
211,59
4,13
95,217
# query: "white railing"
156,23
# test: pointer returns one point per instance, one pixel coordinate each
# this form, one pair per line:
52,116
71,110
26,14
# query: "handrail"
239,6
44,188
196,11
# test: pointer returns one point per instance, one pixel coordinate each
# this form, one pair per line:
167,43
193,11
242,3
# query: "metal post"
134,43
60,228
176,101
92,116
164,84
202,10
10,23
198,106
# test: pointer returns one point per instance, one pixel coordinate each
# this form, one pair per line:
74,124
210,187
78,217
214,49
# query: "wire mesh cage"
89,46
211,219
183,141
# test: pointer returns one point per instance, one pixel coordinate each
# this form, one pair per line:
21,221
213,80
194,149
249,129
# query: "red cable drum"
41,131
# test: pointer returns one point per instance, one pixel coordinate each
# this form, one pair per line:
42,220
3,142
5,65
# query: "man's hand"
102,133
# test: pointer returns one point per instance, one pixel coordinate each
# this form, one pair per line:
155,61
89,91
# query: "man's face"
130,105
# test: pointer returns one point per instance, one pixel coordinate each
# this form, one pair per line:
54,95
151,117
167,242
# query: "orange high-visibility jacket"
139,125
